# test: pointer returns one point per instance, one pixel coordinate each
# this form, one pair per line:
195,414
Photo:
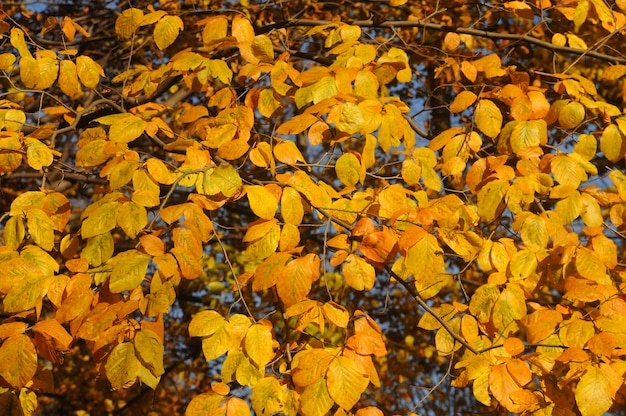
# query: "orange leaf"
294,281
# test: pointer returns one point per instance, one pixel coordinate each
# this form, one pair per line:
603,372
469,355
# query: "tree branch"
460,30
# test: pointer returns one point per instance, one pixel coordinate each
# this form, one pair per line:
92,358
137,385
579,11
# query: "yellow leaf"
567,172
98,249
469,70
315,400
527,134
451,41
89,71
264,247
6,61
14,232
350,118
266,396
262,48
595,392
520,8
289,238
205,323
68,79
266,273
359,274
349,169
68,28
396,3
490,199
424,261
291,206
206,404
345,382
237,407
491,65
288,153
569,208
152,17
101,220
262,202
258,344
614,72
591,212
591,267
444,342
41,228
613,143
127,23
219,342
124,127
297,124
268,103
509,308
215,29
20,360
462,101
132,218
159,171
149,349
29,71
14,120
576,42
129,270
224,179
242,29
295,279
122,366
619,179
18,42
336,314
534,233
166,31
482,302
488,118
572,115
48,69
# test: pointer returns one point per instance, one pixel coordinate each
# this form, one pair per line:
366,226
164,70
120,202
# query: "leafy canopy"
305,207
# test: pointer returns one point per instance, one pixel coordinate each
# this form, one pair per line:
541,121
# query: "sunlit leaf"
20,352
129,270
166,31
345,382
488,118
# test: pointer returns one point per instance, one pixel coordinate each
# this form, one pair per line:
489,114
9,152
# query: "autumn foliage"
309,208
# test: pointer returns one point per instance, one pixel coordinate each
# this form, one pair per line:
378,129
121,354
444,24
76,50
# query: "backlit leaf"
166,31
89,71
20,352
132,218
315,399
595,392
122,366
509,308
101,220
295,279
345,382
258,344
488,118
359,274
349,169
462,101
129,270
127,22
149,349
262,202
